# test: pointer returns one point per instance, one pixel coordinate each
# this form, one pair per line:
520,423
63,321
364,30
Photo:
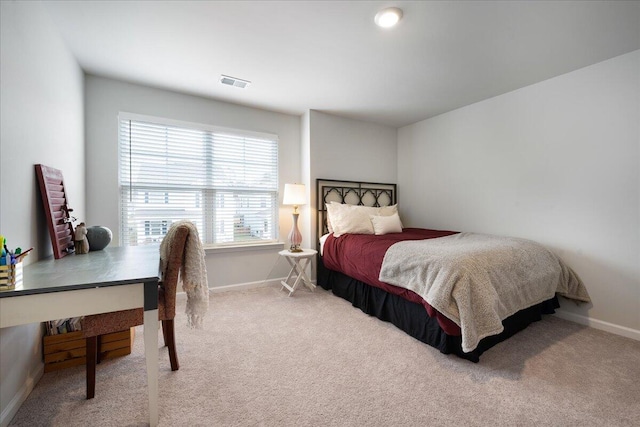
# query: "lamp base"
295,238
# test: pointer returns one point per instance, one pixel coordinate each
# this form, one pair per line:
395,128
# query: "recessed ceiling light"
233,81
388,17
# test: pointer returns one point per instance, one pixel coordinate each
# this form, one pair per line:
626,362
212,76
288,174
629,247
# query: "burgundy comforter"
360,256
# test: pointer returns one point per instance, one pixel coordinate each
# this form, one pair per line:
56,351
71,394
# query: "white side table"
299,261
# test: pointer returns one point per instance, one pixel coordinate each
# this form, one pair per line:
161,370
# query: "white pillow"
332,209
386,224
355,219
388,210
349,219
329,226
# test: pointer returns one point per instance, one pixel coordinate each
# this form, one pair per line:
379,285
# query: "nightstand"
299,261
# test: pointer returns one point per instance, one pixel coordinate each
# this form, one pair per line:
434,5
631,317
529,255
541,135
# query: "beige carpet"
264,359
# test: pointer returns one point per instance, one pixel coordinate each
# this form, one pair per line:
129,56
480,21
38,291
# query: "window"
225,181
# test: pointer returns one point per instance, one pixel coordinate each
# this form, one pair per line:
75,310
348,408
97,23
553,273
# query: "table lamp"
294,194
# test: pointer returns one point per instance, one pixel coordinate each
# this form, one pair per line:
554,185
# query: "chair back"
172,266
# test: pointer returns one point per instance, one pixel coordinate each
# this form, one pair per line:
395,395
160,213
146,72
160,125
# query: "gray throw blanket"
479,280
193,272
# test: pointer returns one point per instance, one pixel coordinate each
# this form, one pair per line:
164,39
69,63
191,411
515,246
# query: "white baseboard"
14,405
241,286
244,286
599,324
247,286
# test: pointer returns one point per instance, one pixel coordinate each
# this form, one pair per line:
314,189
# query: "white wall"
105,98
341,148
557,162
307,219
41,121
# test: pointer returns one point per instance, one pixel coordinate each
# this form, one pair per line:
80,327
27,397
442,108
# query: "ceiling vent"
232,81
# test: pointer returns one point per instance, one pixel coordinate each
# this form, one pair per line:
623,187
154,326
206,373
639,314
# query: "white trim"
247,286
18,399
599,324
276,246
243,286
200,126
238,287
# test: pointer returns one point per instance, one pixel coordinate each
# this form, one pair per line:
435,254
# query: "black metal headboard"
352,193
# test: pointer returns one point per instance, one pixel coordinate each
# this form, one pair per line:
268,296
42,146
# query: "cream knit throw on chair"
193,273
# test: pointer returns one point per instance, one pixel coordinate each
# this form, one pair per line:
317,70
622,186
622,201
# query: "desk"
117,278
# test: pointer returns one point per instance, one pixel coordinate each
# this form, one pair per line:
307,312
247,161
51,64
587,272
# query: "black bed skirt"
413,318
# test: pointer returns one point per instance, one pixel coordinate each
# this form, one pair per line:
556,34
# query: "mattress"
365,254
350,267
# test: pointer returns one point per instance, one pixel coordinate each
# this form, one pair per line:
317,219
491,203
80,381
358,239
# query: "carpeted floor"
264,359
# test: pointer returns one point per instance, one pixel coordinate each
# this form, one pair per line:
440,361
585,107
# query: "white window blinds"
225,181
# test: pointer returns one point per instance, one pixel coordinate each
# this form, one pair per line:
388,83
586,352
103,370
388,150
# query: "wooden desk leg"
151,355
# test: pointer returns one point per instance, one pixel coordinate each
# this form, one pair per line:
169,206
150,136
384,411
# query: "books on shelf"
62,326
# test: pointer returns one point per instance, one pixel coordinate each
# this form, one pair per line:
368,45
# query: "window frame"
207,193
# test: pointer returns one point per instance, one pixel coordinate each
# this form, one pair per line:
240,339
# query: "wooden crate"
66,350
63,351
10,276
116,344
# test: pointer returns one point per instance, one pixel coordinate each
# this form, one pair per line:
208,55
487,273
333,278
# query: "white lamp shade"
294,194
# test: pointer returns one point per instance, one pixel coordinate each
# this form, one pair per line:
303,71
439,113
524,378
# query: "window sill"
245,248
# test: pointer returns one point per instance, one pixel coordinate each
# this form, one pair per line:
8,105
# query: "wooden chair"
96,325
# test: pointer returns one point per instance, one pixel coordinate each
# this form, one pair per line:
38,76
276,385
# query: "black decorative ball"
99,237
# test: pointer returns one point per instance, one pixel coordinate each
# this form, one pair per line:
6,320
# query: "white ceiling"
330,56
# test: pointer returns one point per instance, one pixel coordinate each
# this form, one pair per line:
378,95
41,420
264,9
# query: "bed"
461,293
